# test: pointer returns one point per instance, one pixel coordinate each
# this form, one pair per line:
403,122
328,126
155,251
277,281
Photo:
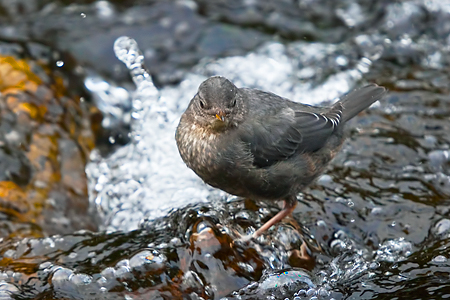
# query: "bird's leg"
289,206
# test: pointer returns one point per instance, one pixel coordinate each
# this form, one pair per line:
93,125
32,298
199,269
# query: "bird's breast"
220,159
198,148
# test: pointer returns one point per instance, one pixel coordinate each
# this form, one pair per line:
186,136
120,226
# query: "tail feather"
359,100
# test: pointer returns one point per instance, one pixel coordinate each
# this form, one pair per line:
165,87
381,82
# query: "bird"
258,145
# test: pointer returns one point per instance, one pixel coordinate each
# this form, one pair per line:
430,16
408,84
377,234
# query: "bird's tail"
359,100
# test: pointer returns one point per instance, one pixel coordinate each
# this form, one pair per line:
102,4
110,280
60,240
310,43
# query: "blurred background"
95,202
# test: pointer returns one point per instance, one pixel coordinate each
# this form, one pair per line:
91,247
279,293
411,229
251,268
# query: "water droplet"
83,15
61,275
109,273
406,40
81,279
342,60
438,157
123,273
324,179
323,293
321,223
364,65
59,63
311,292
135,115
104,9
376,211
440,259
443,226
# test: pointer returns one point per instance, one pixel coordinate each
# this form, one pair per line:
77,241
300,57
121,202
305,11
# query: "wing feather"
281,137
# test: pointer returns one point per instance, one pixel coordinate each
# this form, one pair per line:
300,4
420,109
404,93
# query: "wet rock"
222,40
144,262
44,141
170,33
285,17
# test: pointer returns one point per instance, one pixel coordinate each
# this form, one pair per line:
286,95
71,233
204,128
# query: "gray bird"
258,145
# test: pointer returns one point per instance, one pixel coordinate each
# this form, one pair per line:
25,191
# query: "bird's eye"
202,103
233,102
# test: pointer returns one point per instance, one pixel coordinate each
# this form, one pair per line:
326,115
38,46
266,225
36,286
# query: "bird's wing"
279,138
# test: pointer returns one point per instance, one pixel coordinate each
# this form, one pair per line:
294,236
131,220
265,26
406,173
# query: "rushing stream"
375,226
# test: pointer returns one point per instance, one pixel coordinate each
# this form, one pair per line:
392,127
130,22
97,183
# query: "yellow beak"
220,117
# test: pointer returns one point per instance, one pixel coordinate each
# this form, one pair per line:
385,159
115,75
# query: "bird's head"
218,104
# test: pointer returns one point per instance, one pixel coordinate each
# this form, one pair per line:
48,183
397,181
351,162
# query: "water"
352,261
375,226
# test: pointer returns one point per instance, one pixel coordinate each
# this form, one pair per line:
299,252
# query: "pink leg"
289,206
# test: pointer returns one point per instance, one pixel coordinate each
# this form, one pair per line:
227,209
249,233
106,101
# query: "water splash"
146,178
127,51
394,250
114,102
